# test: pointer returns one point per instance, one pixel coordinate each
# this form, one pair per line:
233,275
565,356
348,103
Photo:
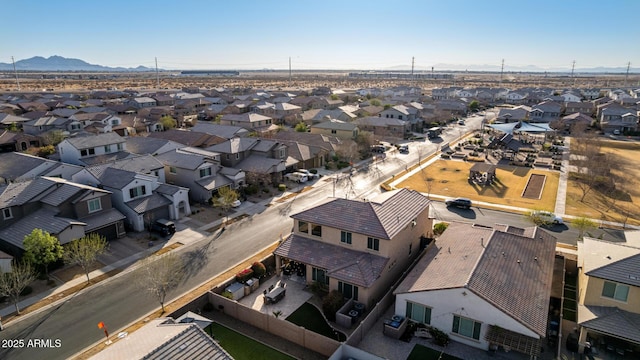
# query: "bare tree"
85,251
158,276
583,224
14,282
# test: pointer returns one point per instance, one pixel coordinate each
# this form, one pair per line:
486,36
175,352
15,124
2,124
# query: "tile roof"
355,267
106,158
90,141
101,219
111,177
187,137
234,145
260,164
245,117
142,164
510,271
168,189
224,131
14,165
148,203
335,125
214,182
610,321
44,219
181,159
624,271
380,219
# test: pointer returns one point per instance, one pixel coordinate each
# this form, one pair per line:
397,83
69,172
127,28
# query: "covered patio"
609,331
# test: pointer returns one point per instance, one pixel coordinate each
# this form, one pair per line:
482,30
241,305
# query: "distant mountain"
507,68
59,63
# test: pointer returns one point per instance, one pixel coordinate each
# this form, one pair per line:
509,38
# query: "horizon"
356,35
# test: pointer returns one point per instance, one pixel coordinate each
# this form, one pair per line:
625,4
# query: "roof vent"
535,258
518,261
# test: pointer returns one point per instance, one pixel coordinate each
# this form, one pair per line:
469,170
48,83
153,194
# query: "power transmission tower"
289,71
157,75
626,77
501,72
412,64
573,66
16,72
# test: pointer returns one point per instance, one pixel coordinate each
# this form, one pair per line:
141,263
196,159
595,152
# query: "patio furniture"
275,295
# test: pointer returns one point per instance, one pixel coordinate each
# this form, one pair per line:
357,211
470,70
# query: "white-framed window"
303,227
466,327
86,152
373,244
237,156
107,148
418,313
137,191
345,237
94,205
120,147
316,230
205,172
349,291
7,214
615,291
172,170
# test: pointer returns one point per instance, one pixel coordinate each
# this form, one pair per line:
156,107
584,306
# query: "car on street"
547,217
378,149
459,202
460,122
236,203
404,149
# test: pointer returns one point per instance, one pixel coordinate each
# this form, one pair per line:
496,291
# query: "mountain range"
59,63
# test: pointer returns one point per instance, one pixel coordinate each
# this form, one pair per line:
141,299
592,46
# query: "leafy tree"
258,269
168,122
85,251
301,127
13,127
374,102
334,97
226,197
387,106
537,219
439,228
14,282
42,248
159,276
583,225
474,105
217,119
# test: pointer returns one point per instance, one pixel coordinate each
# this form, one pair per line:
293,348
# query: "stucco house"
79,150
545,111
358,247
249,121
483,286
609,293
341,129
16,167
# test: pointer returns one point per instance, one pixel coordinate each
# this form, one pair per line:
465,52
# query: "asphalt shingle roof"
91,141
44,219
148,203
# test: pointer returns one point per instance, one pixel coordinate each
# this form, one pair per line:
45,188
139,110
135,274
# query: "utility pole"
16,72
289,71
573,66
626,77
412,64
501,72
157,75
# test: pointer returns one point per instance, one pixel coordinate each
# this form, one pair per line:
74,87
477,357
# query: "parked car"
459,202
236,203
404,149
547,217
164,227
296,177
461,122
378,148
309,174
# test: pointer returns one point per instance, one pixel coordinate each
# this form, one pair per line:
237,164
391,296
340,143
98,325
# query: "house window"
107,148
92,151
419,313
228,157
466,327
281,153
237,156
7,214
373,244
205,172
172,170
345,237
114,122
399,117
137,191
349,291
83,152
94,205
410,248
303,227
334,132
316,230
319,275
615,291
119,147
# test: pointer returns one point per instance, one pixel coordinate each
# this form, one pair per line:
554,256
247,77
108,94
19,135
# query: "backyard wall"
269,323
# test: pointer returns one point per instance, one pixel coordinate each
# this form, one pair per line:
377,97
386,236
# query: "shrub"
313,171
265,190
439,337
244,275
251,190
439,228
258,269
282,187
331,304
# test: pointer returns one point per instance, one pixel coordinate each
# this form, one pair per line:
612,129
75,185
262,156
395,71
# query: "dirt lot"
596,206
449,178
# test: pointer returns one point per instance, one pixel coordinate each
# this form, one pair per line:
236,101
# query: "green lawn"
242,347
309,317
420,352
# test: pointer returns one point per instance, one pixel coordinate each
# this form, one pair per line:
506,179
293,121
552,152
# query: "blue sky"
327,34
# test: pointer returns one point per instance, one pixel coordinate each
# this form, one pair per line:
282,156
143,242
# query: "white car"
548,217
309,174
296,177
236,203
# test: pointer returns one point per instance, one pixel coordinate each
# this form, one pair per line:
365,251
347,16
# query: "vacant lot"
624,209
449,178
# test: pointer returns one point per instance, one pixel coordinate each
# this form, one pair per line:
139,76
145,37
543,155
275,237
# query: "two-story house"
258,157
518,113
79,150
382,126
483,286
617,117
358,247
545,111
16,167
200,171
338,128
63,208
584,107
249,121
609,294
44,124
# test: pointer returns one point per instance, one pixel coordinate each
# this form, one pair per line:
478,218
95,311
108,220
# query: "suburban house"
287,113
101,122
483,286
150,145
188,137
141,198
609,293
616,117
223,131
571,97
249,121
17,141
590,94
518,113
545,111
341,129
44,124
16,167
575,119
63,208
142,102
81,149
308,156
358,247
256,157
200,171
515,97
584,107
315,116
383,126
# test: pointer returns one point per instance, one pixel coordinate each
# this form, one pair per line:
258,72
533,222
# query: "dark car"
378,148
164,227
404,149
459,202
